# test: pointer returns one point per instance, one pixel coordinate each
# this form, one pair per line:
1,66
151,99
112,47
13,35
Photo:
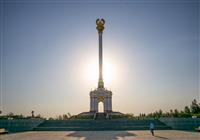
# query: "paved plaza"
103,135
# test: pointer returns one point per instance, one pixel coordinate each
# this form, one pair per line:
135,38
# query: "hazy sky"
49,54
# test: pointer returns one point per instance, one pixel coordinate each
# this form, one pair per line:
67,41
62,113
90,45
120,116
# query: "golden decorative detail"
100,84
100,25
100,99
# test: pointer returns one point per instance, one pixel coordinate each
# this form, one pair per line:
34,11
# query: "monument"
100,94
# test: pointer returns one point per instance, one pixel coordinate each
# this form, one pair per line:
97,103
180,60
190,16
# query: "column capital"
100,83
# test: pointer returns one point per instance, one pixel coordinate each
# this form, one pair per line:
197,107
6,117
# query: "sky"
49,54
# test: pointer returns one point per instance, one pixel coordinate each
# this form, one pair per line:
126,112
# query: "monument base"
96,96
99,115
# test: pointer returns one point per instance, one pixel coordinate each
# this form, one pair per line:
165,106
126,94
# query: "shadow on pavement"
91,135
161,137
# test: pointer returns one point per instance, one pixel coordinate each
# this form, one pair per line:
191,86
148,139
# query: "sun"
91,72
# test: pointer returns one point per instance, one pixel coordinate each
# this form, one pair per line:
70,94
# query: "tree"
69,115
167,114
195,108
171,113
187,110
176,112
10,114
160,113
51,118
32,114
130,115
38,116
60,117
65,117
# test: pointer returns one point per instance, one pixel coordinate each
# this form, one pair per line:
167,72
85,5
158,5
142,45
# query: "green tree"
187,110
171,113
51,118
176,112
160,113
10,114
195,108
65,117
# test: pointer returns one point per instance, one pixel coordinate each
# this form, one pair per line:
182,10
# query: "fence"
19,125
182,123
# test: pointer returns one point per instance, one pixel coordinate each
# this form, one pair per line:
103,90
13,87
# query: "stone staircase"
100,116
99,125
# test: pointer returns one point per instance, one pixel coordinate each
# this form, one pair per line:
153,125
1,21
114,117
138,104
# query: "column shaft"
100,83
100,57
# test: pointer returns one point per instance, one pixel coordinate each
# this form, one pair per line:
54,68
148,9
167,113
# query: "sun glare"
91,72
108,73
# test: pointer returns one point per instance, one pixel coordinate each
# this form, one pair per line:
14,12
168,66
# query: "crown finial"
100,25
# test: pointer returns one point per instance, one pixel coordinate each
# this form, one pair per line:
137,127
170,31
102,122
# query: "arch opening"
100,107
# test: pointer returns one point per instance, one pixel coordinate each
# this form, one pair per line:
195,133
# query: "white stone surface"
103,135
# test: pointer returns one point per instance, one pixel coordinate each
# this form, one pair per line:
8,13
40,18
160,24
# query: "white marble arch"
101,95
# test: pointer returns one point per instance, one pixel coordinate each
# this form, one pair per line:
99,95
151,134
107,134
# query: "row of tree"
189,111
62,117
20,116
33,116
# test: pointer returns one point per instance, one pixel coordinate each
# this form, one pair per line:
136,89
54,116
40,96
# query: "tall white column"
100,27
100,58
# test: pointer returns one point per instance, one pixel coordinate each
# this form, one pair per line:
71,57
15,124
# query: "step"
85,125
